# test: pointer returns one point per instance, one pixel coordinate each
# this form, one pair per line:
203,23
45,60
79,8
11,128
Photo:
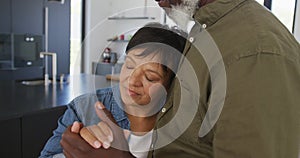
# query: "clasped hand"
81,142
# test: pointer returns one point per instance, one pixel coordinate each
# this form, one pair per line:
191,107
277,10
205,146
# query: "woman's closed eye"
152,77
129,65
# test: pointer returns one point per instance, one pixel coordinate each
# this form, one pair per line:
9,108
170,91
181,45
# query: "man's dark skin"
168,3
74,146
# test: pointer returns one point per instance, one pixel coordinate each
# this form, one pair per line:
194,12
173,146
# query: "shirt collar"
212,12
117,105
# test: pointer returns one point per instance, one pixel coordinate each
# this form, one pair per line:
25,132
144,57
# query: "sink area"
33,83
61,80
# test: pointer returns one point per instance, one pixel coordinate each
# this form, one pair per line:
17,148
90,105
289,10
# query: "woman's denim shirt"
82,109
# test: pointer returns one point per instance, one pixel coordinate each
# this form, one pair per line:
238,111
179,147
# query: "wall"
99,28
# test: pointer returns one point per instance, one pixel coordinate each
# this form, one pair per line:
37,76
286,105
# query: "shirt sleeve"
53,146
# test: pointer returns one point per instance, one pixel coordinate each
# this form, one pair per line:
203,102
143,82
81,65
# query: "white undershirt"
140,145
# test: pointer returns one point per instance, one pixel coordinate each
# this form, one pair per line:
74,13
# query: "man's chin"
182,14
180,18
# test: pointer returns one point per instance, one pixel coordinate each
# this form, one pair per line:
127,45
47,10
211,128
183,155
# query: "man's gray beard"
182,14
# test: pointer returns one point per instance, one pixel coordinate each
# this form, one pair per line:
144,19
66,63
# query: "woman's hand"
102,133
97,135
75,146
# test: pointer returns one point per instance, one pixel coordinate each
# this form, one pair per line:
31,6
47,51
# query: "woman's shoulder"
84,104
105,94
100,95
108,96
105,91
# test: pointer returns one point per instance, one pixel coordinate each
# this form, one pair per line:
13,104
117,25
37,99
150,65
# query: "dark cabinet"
36,130
29,114
27,16
5,16
25,137
10,138
21,16
59,34
106,68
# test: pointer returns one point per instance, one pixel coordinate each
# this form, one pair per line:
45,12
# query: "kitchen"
29,90
27,94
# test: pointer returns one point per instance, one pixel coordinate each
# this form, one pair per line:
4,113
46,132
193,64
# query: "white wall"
99,28
297,22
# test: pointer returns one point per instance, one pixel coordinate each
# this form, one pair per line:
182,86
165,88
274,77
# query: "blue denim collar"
117,105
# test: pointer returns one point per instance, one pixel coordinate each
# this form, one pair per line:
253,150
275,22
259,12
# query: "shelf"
110,40
132,18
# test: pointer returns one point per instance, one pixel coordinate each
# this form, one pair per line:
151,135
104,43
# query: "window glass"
76,21
260,1
297,22
284,11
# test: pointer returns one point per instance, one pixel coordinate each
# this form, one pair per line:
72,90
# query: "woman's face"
142,78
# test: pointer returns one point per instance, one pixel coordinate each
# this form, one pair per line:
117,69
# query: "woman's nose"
135,78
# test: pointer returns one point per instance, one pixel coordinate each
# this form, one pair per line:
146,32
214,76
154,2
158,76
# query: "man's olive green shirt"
261,112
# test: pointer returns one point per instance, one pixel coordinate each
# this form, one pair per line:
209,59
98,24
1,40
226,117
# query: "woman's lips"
132,93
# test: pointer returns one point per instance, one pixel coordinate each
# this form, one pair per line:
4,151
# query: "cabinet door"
36,130
5,16
10,138
27,16
102,68
59,34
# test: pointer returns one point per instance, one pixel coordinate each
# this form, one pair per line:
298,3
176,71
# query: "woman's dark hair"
160,39
158,33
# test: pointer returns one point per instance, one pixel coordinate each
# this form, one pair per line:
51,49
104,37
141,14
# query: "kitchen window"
260,1
283,10
76,36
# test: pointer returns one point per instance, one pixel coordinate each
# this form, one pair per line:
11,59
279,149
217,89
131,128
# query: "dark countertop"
17,99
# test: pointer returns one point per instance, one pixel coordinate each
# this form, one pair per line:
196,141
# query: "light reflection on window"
75,47
284,11
260,1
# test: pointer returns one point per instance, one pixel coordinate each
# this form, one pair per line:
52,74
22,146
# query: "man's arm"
75,146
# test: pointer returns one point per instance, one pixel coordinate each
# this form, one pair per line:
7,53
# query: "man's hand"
76,147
